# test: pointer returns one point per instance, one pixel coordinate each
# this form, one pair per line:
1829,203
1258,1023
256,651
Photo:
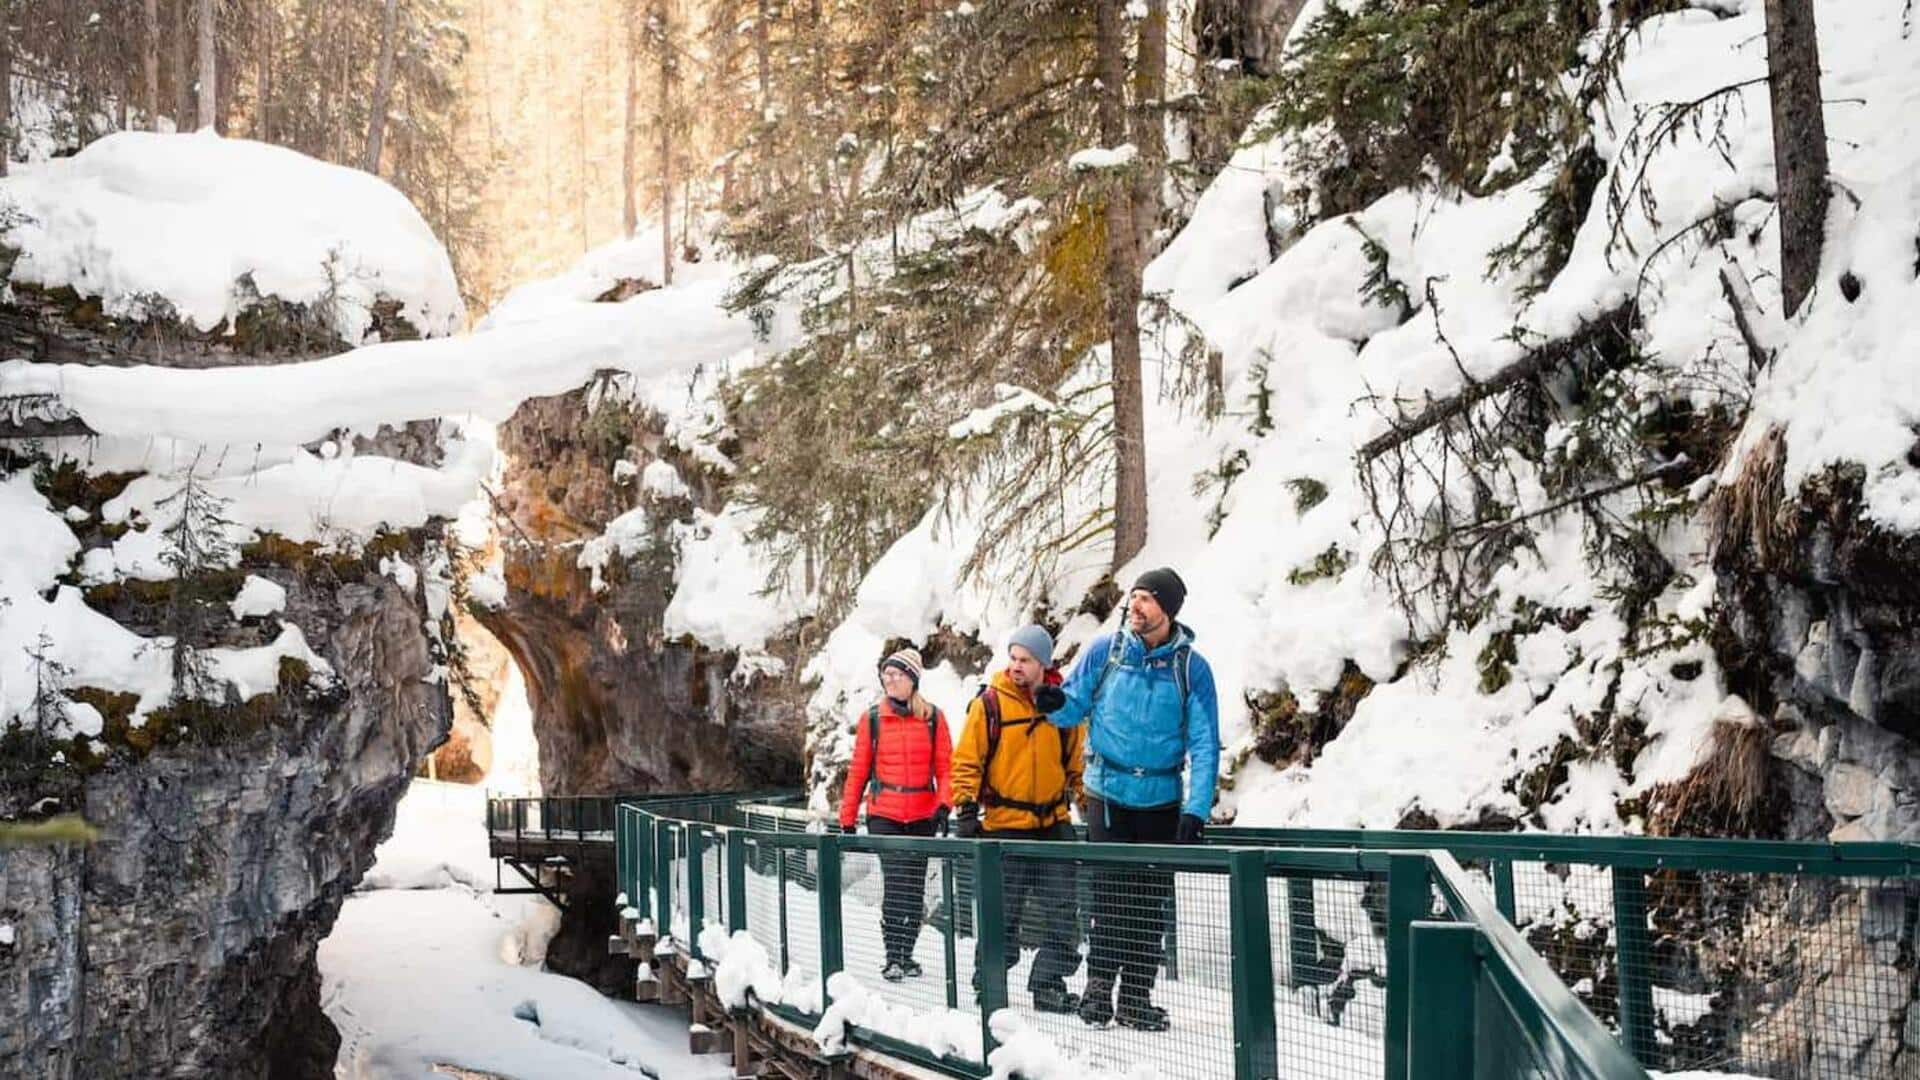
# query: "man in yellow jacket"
1014,777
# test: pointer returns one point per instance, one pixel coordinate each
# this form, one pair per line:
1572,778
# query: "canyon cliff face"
182,942
619,706
1820,609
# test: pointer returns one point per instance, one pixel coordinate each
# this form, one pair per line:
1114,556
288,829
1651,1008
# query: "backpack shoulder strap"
933,748
873,750
1116,649
1182,676
990,706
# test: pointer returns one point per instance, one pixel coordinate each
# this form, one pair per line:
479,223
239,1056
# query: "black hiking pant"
1041,901
903,893
1129,905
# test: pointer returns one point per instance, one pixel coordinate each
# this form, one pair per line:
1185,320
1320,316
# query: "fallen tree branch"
1601,492
70,427
1444,409
1739,296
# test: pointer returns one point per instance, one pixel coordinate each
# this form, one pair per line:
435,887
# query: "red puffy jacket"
913,766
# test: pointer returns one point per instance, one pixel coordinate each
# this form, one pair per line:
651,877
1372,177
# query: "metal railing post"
642,895
1631,955
1502,871
696,887
1256,1049
1443,962
622,851
662,877
827,878
736,880
1409,897
990,930
780,857
948,946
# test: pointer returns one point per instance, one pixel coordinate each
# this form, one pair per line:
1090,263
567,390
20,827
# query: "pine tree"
48,711
197,542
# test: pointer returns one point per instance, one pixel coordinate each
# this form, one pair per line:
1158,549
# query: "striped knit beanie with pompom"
907,660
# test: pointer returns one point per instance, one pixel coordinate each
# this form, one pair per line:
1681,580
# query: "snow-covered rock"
139,217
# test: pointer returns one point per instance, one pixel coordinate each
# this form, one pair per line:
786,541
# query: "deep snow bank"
138,218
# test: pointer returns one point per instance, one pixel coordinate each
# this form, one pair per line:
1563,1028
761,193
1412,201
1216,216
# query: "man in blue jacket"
1152,711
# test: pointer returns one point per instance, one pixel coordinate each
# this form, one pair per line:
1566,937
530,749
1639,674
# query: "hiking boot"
1055,999
1140,1014
1096,1004
894,971
912,968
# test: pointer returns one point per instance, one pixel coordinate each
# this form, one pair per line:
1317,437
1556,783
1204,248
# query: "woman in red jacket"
901,765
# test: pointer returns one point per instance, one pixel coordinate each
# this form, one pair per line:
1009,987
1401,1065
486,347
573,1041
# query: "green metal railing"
1756,958
1315,953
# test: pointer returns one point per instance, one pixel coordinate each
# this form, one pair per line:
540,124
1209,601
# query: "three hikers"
1138,711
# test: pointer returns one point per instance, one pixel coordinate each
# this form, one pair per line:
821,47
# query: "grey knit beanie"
1035,639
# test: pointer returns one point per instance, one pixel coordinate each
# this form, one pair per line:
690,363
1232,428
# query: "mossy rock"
301,556
1537,786
1325,566
294,674
1307,493
67,485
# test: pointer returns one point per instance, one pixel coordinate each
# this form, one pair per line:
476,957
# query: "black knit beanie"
1166,587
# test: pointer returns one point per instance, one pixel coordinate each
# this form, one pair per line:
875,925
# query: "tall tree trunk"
666,142
382,87
1149,126
6,90
150,61
183,65
208,73
580,166
1799,144
763,63
763,59
263,107
630,148
1123,299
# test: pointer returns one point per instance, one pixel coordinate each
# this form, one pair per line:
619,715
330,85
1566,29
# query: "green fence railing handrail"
1841,859
1559,1029
1465,991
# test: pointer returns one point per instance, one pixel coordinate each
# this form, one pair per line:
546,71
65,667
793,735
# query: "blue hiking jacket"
1138,735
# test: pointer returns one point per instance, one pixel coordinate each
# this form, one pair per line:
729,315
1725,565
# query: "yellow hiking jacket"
1036,767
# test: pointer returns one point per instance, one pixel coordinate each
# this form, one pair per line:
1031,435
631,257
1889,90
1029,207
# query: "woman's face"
896,683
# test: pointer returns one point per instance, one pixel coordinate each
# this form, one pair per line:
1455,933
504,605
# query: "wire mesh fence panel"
1783,976
1122,965
798,886
1328,941
713,879
1775,976
763,898
898,943
679,926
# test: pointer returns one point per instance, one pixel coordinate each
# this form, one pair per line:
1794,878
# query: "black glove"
940,816
1049,699
966,824
1191,828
